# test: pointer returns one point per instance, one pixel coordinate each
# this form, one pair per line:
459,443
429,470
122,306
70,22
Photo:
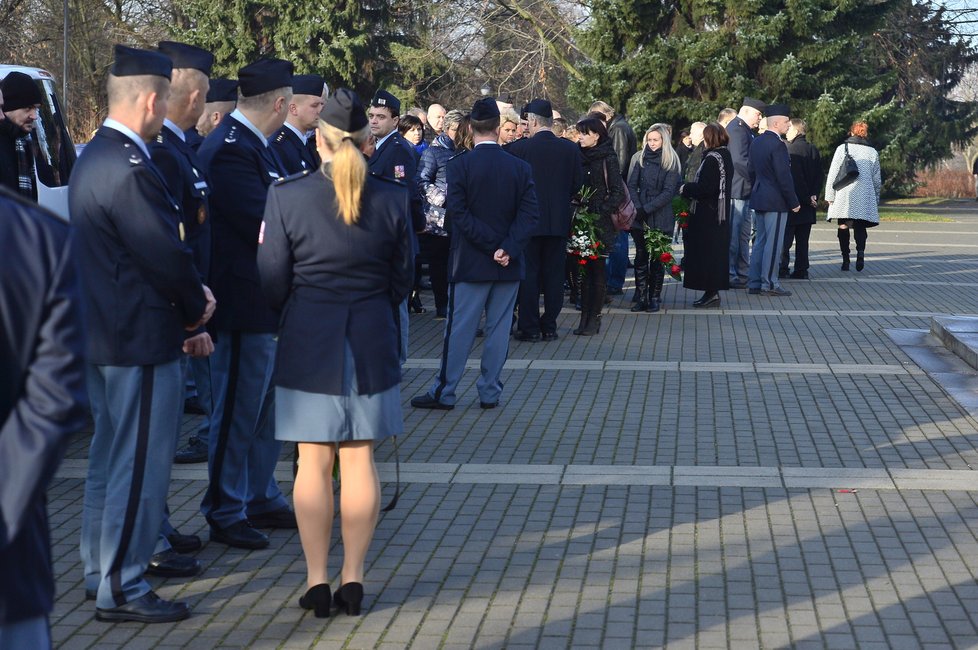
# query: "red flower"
582,262
683,214
665,258
676,268
683,225
593,257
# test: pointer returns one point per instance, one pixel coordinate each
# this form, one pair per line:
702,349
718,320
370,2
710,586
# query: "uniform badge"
261,233
201,214
399,171
183,234
232,135
135,159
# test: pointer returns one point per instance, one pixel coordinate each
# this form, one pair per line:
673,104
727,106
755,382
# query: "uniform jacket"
774,188
623,141
739,146
558,174
336,283
194,139
295,156
806,170
187,182
491,204
398,161
652,188
42,394
240,168
139,282
861,199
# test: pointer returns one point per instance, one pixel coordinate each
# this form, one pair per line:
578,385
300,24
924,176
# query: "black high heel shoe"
348,598
317,599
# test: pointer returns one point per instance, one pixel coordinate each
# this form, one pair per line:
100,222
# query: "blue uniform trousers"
33,633
466,302
200,370
136,412
618,261
740,228
766,256
242,450
404,321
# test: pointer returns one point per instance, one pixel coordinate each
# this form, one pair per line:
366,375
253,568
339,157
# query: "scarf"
722,199
25,167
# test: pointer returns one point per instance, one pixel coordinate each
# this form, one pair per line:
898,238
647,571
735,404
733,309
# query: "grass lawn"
917,200
895,214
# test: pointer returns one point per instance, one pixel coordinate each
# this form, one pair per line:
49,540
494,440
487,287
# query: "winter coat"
806,170
432,182
652,189
692,163
623,141
859,200
599,160
706,240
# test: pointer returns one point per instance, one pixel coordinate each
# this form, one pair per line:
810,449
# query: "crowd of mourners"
266,239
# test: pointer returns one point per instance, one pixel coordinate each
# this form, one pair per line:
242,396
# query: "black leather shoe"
426,401
170,564
284,518
708,300
194,452
184,543
148,608
738,285
523,336
192,406
239,535
317,599
549,336
754,292
488,405
348,598
799,276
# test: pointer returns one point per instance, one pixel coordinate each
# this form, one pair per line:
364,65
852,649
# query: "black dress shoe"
183,543
348,598
549,336
194,452
170,564
239,535
192,406
426,401
148,608
488,405
317,599
754,292
284,518
738,284
709,299
523,336
441,314
799,276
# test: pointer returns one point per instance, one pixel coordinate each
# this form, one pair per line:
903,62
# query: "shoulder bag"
848,172
624,214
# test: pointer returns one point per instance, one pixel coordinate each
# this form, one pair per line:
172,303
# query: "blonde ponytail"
348,167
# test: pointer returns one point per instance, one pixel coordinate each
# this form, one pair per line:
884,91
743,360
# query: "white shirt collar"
486,142
239,116
302,136
177,131
129,133
384,139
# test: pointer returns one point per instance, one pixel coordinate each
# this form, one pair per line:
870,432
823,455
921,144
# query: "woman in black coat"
707,237
335,257
602,175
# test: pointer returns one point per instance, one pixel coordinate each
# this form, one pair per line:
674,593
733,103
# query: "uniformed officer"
143,292
185,178
242,449
42,404
222,96
492,207
291,143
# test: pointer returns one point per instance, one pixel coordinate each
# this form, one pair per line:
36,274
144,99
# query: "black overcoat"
706,240
558,174
806,171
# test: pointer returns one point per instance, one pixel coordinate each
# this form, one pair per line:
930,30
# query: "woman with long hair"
855,207
603,177
335,256
706,239
653,178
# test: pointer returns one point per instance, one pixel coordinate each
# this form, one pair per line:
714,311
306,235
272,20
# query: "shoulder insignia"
280,137
232,135
399,171
292,177
388,180
159,138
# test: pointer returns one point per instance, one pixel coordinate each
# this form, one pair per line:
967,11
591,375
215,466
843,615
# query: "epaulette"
280,136
293,177
135,158
232,135
388,180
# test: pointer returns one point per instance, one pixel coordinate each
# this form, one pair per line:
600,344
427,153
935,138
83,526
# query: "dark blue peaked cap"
308,84
222,90
188,56
484,109
264,75
129,62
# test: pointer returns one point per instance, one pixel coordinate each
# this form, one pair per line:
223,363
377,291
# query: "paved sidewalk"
777,473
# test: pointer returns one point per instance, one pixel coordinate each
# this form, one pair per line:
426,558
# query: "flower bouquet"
659,247
680,211
583,242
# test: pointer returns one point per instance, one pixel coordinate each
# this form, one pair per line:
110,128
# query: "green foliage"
889,62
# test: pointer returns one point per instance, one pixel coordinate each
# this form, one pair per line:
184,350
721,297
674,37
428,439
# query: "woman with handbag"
603,178
853,194
653,178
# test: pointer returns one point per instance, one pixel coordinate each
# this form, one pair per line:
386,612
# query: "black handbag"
848,173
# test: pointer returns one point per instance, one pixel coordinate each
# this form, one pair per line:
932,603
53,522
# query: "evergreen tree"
890,62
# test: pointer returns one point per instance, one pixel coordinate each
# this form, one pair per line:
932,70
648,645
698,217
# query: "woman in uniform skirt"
335,256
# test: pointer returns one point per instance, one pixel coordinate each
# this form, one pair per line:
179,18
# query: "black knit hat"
344,111
19,91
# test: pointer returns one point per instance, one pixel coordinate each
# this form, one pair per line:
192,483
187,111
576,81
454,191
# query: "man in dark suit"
558,174
21,99
772,197
291,143
492,208
242,448
740,130
42,404
187,183
222,96
806,171
143,292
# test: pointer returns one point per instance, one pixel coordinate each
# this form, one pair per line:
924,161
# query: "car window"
54,153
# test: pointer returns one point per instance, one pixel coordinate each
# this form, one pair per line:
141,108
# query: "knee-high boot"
656,277
586,291
844,247
860,236
641,287
574,280
598,288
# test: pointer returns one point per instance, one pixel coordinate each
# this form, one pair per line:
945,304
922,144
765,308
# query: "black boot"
641,287
597,290
709,299
860,237
844,247
573,270
657,276
585,295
